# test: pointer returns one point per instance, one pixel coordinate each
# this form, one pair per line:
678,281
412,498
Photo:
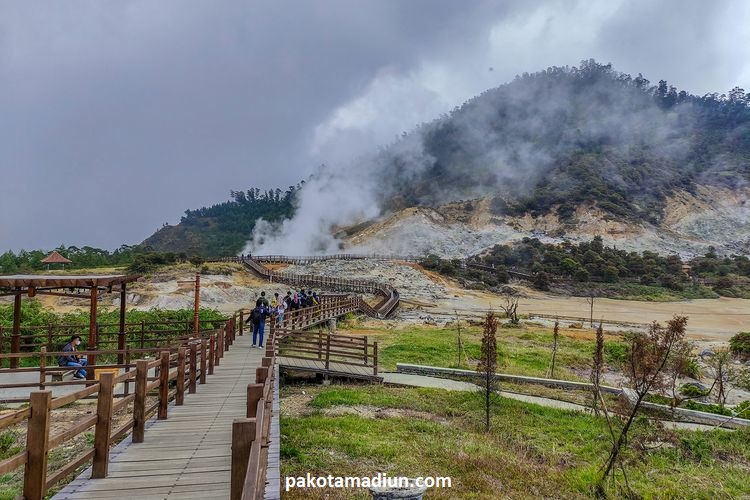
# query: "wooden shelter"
83,287
56,258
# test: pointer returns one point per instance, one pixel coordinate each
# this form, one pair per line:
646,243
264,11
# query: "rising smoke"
505,141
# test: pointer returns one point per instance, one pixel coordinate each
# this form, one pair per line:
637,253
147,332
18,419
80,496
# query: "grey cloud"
115,116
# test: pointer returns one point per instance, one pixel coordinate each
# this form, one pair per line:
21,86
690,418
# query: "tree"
555,339
541,281
458,335
487,366
597,365
722,374
648,357
510,304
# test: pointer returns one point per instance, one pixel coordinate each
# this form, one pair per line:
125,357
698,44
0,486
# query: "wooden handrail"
180,366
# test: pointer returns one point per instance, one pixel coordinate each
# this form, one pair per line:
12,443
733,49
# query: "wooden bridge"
389,295
202,417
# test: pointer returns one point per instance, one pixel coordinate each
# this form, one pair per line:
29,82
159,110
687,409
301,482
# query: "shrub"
742,410
708,408
739,345
692,391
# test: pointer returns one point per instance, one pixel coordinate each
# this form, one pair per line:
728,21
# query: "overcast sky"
116,116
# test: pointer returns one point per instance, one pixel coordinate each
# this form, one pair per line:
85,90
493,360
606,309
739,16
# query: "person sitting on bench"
73,359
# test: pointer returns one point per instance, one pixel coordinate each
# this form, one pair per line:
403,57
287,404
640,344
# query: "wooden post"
242,321
103,428
121,333
180,394
203,361
375,358
92,332
243,434
37,439
139,404
126,387
193,367
266,361
143,332
219,346
211,353
328,351
197,305
320,345
365,349
254,393
261,373
163,385
42,367
227,337
15,336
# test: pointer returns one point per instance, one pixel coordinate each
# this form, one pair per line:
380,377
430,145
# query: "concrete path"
409,380
189,454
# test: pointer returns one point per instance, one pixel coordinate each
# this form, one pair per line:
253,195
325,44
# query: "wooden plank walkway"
189,454
334,368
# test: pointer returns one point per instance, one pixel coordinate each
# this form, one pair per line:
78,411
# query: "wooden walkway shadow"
189,454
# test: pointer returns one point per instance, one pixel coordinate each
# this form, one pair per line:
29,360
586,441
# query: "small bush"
742,410
708,408
692,391
739,345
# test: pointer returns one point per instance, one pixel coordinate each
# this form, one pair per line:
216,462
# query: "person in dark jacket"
258,319
73,359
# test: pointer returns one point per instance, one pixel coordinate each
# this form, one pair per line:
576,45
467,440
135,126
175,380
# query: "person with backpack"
258,319
73,359
316,298
288,301
262,300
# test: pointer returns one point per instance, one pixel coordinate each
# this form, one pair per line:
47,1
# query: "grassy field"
531,451
524,350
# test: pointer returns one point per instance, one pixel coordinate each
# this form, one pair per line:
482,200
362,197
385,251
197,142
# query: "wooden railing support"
139,404
261,373
243,435
103,428
179,397
203,361
211,353
254,393
37,439
193,367
42,368
163,385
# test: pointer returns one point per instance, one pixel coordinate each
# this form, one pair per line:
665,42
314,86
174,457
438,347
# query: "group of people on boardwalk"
276,308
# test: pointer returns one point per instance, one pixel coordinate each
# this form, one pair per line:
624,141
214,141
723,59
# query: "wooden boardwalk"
189,454
334,368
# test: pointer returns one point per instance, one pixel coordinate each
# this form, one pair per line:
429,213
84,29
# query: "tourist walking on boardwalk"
262,300
73,359
258,319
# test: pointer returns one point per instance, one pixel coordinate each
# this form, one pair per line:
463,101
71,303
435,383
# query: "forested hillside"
224,228
567,136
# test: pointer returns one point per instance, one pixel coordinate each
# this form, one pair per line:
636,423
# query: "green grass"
522,350
531,451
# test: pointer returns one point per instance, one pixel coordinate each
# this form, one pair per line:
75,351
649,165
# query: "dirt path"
452,385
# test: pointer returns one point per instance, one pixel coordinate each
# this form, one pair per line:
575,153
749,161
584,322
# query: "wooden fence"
187,366
140,335
389,294
250,435
328,353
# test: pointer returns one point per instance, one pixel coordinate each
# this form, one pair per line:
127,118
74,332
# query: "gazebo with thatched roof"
56,258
